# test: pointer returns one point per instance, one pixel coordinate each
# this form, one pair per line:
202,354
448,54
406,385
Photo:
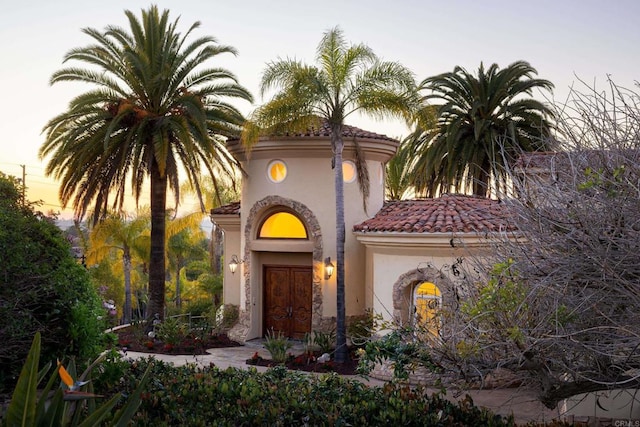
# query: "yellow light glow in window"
427,300
428,288
283,225
348,171
277,171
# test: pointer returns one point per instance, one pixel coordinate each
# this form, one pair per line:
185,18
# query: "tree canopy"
154,105
483,123
42,288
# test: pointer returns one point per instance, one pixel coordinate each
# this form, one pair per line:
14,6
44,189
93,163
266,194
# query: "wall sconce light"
328,268
234,263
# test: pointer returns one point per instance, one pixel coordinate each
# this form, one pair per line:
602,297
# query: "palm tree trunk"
216,249
482,181
126,267
157,271
341,325
178,290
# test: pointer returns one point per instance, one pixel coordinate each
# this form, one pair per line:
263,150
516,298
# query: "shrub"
172,331
42,288
199,307
194,396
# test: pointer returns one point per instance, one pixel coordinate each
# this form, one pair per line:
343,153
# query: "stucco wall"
396,263
311,182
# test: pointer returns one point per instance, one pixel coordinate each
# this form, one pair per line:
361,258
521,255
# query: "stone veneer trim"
416,276
315,235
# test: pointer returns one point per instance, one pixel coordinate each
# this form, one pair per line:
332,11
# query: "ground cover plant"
194,396
318,354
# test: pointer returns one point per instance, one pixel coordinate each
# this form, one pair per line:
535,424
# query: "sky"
567,41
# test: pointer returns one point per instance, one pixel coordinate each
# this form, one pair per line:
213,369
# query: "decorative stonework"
412,278
315,235
419,376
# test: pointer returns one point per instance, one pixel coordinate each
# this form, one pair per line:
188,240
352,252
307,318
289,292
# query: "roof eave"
430,240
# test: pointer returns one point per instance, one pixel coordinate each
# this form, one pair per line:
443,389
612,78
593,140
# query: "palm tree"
182,236
485,122
217,192
153,107
398,179
347,79
118,233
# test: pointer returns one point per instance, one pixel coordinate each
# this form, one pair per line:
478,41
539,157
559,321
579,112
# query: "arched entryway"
284,292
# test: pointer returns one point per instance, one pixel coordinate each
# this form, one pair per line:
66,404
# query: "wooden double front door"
287,300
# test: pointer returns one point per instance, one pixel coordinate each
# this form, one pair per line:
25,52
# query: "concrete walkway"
519,402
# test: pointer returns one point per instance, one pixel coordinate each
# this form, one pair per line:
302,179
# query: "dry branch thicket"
561,308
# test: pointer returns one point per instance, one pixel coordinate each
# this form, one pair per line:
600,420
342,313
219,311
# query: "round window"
348,171
277,171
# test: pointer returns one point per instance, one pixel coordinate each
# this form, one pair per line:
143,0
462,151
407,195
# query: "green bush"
324,340
199,307
42,288
399,348
193,396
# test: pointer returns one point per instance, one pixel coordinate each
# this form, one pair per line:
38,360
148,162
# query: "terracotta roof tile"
230,209
449,213
325,131
347,132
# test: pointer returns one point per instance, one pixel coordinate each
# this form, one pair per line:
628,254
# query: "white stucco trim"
422,240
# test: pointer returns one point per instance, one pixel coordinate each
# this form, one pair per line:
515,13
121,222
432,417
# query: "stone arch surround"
410,278
315,235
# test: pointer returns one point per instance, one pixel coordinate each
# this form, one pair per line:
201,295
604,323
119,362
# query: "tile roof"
347,132
450,213
325,131
230,209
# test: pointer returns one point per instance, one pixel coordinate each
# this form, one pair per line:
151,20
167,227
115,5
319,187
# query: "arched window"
427,300
282,225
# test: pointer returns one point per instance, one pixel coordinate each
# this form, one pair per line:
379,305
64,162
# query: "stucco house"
279,239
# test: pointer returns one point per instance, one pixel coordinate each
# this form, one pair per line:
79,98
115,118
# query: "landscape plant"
42,288
484,121
324,341
153,104
199,396
171,331
277,344
348,79
63,401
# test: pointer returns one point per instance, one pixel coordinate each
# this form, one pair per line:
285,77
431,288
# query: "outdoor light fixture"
328,268
234,263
